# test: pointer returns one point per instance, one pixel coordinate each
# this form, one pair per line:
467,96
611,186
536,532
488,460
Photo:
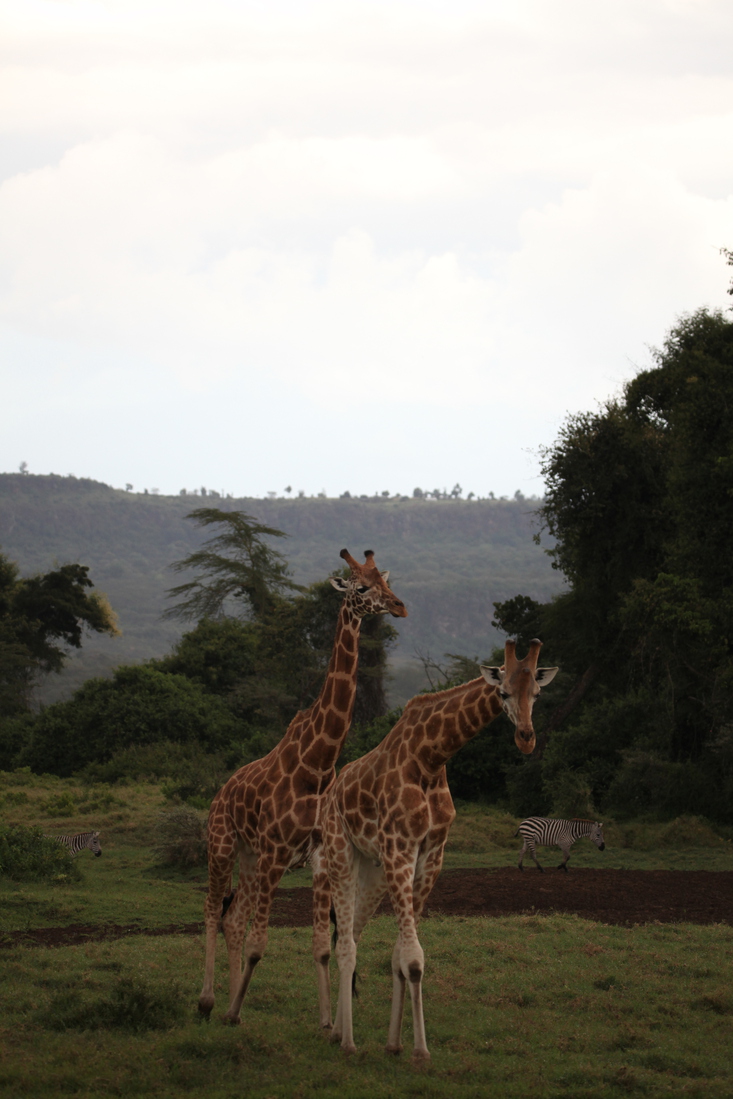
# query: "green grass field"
540,1006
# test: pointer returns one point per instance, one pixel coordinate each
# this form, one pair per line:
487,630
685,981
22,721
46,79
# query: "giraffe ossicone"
267,816
387,818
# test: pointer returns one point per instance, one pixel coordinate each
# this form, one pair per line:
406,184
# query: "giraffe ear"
493,676
384,575
543,676
339,584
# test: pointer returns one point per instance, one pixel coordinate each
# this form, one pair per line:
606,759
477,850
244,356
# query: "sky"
347,245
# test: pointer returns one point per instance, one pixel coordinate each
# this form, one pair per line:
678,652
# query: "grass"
542,1006
529,1006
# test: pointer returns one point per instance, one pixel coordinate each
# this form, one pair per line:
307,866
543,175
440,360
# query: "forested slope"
449,559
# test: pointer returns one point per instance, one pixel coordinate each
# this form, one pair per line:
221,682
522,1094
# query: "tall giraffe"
268,813
387,818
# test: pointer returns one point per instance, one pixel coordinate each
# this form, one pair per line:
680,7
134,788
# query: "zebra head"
94,846
518,683
597,836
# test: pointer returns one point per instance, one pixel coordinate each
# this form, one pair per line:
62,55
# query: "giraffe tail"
226,903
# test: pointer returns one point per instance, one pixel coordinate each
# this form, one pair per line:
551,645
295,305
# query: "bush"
133,1006
182,838
138,706
27,855
570,794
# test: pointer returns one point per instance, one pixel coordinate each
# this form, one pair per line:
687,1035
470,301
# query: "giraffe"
268,813
387,818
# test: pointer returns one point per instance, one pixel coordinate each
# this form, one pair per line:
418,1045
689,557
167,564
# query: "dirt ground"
610,896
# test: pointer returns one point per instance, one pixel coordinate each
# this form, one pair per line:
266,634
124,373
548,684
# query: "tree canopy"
237,563
41,618
640,504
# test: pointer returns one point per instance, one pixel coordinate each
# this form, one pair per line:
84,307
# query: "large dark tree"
41,619
640,504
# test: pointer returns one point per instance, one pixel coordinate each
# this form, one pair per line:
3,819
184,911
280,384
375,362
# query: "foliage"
181,838
138,706
27,855
235,564
41,617
640,505
448,560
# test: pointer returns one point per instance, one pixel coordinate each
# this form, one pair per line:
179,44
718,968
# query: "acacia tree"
236,564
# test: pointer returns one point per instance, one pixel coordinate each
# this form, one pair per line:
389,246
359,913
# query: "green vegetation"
449,559
531,1006
40,618
27,855
640,505
541,1006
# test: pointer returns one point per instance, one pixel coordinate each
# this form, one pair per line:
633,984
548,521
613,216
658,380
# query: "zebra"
563,833
78,842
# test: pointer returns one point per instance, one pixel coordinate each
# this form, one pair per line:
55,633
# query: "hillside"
450,560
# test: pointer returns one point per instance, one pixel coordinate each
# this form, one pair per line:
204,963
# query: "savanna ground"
614,979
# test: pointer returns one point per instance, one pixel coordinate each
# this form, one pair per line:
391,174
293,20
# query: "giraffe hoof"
205,1007
420,1056
231,1020
394,1050
348,1048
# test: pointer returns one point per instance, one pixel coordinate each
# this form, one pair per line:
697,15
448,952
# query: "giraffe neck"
321,730
440,724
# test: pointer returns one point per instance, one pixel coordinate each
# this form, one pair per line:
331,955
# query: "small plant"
132,1006
62,805
182,839
27,855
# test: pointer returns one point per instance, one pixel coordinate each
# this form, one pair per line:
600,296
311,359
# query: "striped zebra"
79,842
560,833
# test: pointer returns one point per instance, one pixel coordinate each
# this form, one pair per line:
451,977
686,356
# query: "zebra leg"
566,855
522,853
534,857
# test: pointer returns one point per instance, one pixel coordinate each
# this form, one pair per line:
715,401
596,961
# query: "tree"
640,504
41,618
236,564
139,706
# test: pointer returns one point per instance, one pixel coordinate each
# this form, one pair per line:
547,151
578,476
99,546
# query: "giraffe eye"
362,589
503,694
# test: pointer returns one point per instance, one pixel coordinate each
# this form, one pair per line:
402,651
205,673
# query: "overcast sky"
344,245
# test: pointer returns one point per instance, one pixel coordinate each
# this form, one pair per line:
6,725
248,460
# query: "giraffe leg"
270,870
342,872
321,934
409,956
220,877
234,922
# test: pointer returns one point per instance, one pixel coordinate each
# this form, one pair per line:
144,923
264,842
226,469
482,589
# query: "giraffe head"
518,683
366,588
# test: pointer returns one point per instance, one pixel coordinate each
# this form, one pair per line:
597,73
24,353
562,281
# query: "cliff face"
450,560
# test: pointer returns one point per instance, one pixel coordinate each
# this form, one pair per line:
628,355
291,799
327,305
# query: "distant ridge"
452,559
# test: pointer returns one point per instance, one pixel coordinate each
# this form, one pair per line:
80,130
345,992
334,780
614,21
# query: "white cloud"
505,201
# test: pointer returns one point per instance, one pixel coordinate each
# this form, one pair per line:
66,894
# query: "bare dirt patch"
610,896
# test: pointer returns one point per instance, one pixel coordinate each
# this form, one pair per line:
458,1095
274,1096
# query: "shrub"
27,855
138,706
182,838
